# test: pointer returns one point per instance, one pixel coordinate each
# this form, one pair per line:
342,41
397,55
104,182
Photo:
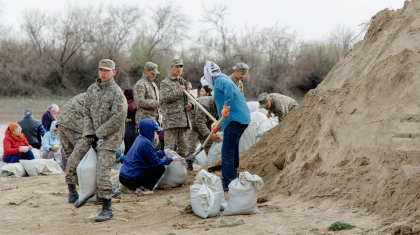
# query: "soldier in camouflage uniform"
146,94
278,104
201,125
174,108
70,127
240,72
105,111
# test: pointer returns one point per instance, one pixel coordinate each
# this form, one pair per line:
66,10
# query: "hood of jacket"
147,129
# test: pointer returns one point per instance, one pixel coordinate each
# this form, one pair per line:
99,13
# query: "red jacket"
11,146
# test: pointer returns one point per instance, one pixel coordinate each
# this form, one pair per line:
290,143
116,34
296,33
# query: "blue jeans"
230,151
15,158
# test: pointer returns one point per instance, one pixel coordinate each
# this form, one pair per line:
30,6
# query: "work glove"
92,140
177,158
213,126
225,111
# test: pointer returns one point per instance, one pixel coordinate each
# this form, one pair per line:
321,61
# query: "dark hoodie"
132,106
142,154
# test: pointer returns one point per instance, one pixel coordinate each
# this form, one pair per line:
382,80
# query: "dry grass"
12,109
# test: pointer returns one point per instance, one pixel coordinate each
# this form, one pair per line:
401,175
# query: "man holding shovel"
231,105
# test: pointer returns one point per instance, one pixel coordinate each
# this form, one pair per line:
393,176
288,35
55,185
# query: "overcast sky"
312,19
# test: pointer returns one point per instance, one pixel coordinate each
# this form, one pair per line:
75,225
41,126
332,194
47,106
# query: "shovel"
208,138
199,105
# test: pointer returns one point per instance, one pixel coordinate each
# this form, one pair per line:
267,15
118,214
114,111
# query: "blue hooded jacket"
49,139
142,154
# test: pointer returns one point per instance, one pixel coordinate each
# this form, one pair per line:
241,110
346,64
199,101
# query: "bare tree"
34,24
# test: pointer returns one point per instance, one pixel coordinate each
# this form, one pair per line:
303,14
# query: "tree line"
57,54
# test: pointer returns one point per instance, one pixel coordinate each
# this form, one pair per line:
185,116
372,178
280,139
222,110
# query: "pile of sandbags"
33,167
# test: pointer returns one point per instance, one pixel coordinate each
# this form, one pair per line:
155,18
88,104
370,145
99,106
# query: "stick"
325,195
199,105
208,138
24,200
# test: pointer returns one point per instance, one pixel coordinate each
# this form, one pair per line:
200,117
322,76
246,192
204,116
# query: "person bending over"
143,166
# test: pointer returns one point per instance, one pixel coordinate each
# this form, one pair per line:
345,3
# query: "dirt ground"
47,211
43,209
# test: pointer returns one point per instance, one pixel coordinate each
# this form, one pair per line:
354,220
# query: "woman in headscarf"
131,132
52,146
49,116
15,145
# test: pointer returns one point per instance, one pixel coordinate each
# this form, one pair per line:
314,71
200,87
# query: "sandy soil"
47,211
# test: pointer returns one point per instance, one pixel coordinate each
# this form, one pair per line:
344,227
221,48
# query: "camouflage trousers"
178,136
192,137
68,139
80,149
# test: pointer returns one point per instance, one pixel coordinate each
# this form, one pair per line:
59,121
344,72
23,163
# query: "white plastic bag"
253,105
258,117
243,195
209,179
51,167
201,158
205,200
37,153
12,170
115,182
175,175
215,151
248,137
86,174
33,167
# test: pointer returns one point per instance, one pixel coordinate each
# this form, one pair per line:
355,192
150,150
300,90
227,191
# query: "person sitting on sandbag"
53,149
143,166
32,128
15,145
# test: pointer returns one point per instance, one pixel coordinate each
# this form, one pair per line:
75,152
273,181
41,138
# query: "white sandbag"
258,117
207,178
86,174
253,105
51,167
2,163
1,153
205,200
175,175
115,182
248,137
215,151
264,111
12,170
243,195
37,153
33,167
201,158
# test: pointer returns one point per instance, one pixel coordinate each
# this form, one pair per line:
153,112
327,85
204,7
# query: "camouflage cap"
106,64
176,62
151,67
263,100
241,67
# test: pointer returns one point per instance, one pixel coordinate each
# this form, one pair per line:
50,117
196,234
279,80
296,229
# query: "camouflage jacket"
105,111
237,82
281,105
71,115
146,95
201,120
173,101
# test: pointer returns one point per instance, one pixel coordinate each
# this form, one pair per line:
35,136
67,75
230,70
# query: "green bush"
340,225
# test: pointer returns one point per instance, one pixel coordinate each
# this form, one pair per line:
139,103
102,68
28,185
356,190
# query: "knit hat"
29,113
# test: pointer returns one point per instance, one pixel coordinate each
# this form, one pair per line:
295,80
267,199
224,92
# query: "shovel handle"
199,105
209,137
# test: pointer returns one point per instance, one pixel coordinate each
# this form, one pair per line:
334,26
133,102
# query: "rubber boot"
73,195
190,165
106,213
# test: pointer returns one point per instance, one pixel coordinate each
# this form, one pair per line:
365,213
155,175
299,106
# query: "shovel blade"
197,151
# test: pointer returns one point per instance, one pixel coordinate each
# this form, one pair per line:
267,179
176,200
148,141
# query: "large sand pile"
356,137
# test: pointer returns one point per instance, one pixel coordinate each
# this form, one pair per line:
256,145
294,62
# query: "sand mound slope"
356,137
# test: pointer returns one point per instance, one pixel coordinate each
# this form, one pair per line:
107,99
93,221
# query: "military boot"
190,165
73,195
106,213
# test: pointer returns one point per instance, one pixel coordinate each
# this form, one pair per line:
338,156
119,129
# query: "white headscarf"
208,74
203,81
